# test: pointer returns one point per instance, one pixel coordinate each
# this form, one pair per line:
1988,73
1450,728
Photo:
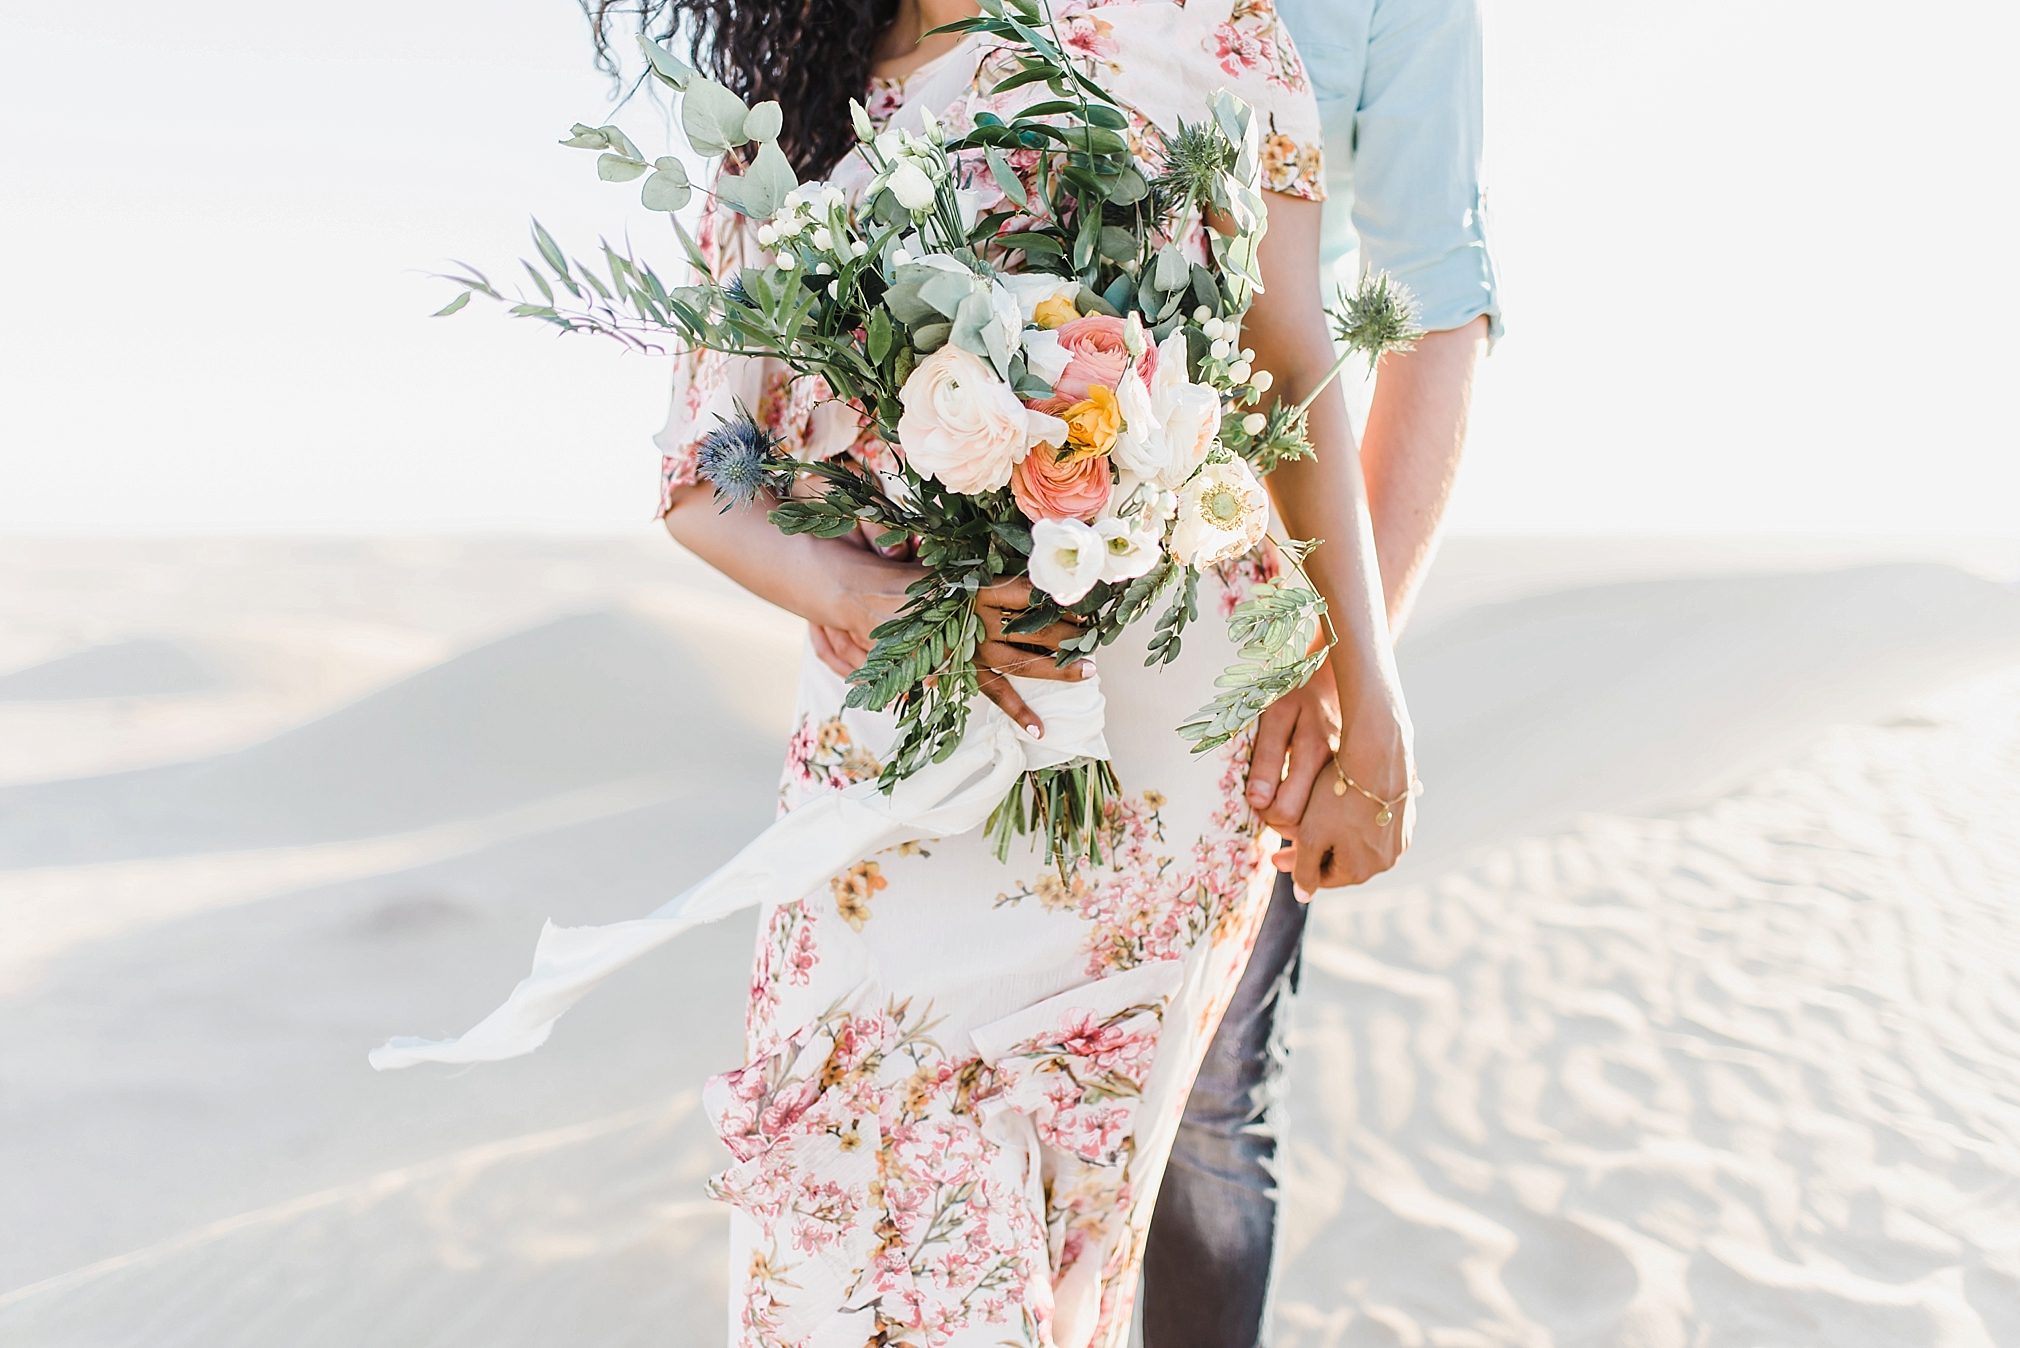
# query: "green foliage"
1274,628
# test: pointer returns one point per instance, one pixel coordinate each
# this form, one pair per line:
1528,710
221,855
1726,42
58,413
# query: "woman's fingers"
998,690
1003,602
830,651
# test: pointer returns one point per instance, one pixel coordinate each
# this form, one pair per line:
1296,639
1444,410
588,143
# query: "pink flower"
1099,355
1047,489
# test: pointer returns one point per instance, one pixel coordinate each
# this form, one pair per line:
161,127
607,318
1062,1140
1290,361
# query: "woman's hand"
1335,840
1027,654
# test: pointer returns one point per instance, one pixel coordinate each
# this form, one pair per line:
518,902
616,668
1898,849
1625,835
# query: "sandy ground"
1691,1020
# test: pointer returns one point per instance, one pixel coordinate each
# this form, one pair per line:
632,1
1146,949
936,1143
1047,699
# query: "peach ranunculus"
1100,353
1049,485
964,426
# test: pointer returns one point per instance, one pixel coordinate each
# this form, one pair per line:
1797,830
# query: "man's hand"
1294,742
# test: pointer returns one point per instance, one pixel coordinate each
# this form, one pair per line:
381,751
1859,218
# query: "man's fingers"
1267,756
998,690
1004,658
1012,594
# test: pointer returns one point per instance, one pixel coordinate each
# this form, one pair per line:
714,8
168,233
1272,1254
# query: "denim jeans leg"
1212,1247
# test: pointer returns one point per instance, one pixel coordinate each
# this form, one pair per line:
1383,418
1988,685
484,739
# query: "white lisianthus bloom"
1129,545
1188,413
1222,513
1044,356
964,426
911,185
1140,447
1067,557
1034,288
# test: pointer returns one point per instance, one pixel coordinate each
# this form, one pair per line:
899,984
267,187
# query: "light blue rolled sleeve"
1399,91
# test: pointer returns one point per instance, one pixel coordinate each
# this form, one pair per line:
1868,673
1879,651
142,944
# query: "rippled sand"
1691,1021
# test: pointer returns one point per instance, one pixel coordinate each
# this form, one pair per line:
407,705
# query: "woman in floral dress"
964,1076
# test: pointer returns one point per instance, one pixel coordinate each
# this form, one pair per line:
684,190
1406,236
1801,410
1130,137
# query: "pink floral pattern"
962,1073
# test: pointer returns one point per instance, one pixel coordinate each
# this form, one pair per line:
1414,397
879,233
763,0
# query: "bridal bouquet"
1033,316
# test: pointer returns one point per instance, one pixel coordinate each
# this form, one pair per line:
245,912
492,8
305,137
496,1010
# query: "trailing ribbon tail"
793,857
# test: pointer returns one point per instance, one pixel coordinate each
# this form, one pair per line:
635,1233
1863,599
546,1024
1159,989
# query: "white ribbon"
794,857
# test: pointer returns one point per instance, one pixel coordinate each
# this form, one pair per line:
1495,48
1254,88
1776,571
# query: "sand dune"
1690,1022
583,699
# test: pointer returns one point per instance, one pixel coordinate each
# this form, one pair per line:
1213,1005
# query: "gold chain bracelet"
1385,810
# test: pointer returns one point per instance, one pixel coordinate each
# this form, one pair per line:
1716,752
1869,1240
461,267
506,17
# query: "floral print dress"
964,1076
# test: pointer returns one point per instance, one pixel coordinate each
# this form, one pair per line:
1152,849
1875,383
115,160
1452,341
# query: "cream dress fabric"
964,1077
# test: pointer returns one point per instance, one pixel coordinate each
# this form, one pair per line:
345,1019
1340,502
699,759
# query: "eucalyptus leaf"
672,167
665,192
616,168
767,181
729,190
946,290
1117,244
1172,271
582,136
930,337
712,117
764,122
665,64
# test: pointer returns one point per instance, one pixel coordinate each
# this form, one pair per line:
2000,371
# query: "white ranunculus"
1222,513
1189,413
911,185
964,426
1140,447
1129,545
1044,356
1067,558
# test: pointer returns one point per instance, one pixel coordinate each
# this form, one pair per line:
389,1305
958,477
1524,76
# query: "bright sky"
1755,257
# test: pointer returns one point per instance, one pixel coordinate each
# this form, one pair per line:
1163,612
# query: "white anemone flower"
1067,558
1034,288
1129,547
1222,513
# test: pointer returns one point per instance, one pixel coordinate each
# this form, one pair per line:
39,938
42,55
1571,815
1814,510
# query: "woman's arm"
845,590
1335,838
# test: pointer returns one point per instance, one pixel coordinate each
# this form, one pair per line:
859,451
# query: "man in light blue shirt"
1399,90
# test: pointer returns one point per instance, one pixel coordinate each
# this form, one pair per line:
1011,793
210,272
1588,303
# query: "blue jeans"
1212,1248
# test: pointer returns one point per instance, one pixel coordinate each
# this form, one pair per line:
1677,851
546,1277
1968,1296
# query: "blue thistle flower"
741,458
736,294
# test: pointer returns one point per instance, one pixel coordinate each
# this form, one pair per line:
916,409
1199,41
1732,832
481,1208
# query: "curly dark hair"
813,56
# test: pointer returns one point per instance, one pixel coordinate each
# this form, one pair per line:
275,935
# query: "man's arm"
1410,453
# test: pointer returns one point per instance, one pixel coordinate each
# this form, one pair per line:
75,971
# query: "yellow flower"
852,890
1055,312
832,736
1091,425
1154,799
